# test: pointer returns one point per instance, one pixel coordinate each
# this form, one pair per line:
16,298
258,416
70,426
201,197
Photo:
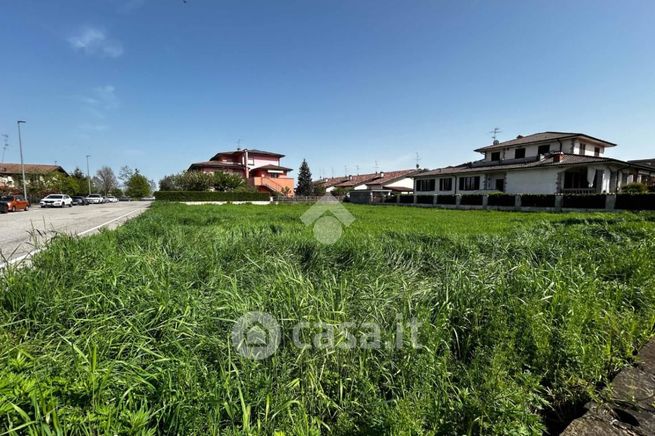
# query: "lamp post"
22,164
88,173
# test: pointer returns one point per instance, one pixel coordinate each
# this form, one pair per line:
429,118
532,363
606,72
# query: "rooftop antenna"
494,133
332,172
345,169
418,160
357,169
4,147
377,167
239,144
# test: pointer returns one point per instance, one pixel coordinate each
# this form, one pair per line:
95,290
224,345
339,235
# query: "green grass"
128,331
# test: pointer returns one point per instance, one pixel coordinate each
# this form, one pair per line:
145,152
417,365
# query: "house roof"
484,166
15,168
330,181
272,167
391,176
216,164
541,137
249,150
359,179
644,162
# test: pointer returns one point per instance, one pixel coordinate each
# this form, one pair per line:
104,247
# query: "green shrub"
589,201
210,196
635,188
471,200
504,200
537,200
447,199
635,202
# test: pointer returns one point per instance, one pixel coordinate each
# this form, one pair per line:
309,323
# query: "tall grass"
128,331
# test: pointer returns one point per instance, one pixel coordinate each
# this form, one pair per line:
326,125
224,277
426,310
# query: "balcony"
277,185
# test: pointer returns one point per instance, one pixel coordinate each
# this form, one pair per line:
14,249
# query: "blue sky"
158,84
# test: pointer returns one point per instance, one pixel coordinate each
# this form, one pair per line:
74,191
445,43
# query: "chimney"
519,137
558,157
382,174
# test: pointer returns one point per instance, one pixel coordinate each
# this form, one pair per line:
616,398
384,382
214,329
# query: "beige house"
541,163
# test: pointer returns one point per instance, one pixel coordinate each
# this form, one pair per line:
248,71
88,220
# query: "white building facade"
542,163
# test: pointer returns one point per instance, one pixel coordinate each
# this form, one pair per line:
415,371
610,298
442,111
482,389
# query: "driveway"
22,233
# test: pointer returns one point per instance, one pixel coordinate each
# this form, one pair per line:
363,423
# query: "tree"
195,181
138,186
227,182
169,183
305,186
106,180
125,174
635,188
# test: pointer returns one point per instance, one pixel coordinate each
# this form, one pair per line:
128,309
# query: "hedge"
210,196
407,199
471,200
590,201
391,199
538,200
424,199
635,201
446,199
503,200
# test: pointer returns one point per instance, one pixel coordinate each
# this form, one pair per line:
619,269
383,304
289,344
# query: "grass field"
129,331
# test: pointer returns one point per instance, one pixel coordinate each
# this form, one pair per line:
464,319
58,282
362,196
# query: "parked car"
95,199
12,203
56,200
111,199
148,199
79,201
124,199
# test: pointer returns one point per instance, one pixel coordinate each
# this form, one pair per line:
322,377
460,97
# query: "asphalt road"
22,233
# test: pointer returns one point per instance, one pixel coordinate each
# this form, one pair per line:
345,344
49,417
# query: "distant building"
261,169
11,173
542,163
392,181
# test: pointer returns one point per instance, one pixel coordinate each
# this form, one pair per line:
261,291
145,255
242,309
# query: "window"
469,183
495,155
446,184
425,185
583,149
544,149
597,151
500,185
519,153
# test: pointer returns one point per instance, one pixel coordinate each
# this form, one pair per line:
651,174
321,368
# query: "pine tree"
305,186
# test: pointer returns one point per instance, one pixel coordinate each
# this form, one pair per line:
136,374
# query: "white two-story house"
542,163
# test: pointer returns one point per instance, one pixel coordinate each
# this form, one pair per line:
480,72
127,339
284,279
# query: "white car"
95,199
56,200
111,199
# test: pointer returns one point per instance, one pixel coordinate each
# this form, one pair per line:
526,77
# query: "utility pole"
88,173
4,147
22,163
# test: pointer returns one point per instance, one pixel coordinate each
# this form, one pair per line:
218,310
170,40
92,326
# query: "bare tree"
106,180
125,174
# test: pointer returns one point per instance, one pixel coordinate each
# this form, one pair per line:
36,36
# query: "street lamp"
88,173
22,164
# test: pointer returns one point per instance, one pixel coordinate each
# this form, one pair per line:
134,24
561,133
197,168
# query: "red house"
261,169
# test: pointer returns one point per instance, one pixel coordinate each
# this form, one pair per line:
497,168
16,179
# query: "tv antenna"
345,169
377,167
357,169
4,147
418,160
495,132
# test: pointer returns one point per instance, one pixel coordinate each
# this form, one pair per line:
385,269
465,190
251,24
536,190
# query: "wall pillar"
458,200
434,199
610,202
517,202
485,201
558,202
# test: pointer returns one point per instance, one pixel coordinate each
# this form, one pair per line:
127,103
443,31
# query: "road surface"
23,233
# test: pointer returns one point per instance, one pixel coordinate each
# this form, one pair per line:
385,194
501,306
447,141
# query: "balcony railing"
579,191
